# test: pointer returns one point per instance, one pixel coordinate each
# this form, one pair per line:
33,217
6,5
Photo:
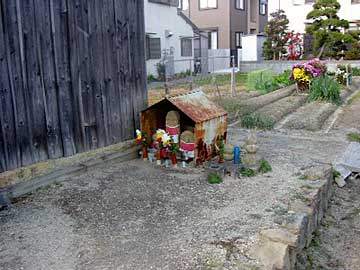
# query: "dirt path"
337,243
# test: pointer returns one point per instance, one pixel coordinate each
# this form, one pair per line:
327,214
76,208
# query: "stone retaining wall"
278,248
280,66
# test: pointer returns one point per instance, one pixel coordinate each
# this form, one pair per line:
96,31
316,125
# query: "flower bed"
303,73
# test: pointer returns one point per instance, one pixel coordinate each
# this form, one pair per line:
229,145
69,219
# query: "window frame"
210,31
239,8
208,8
149,55
238,34
355,3
266,8
182,50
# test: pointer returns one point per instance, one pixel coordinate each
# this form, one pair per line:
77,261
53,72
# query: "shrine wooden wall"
72,76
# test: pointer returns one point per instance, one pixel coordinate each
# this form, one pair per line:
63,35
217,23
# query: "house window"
183,4
310,1
238,36
207,4
186,47
240,4
213,40
353,2
153,48
262,7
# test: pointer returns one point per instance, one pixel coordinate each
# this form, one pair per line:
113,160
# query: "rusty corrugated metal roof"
197,106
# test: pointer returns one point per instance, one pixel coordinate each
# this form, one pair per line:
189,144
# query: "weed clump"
259,121
265,166
214,178
354,137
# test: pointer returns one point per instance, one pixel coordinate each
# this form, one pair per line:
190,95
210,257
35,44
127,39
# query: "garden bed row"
313,115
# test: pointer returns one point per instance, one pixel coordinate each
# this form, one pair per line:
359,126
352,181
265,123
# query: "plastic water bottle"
237,154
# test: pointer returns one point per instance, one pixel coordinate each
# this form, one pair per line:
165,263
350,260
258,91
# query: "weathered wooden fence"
72,76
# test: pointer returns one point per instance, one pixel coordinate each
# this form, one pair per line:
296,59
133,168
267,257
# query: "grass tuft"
247,172
214,178
265,166
354,137
255,120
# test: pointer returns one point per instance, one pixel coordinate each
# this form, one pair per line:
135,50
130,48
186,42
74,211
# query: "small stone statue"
250,158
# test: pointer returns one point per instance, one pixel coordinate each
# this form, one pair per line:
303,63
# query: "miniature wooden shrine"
193,121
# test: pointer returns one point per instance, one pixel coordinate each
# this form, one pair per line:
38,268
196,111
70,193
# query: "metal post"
233,76
213,58
191,77
166,86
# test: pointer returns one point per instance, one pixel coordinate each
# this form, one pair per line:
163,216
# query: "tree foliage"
276,30
328,29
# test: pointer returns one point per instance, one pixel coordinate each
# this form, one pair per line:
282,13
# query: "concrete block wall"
280,66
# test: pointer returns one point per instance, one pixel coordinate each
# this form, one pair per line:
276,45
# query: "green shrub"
262,80
284,78
265,166
255,120
356,71
151,78
214,178
325,88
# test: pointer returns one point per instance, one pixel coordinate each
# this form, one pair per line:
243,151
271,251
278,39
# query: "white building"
297,10
167,32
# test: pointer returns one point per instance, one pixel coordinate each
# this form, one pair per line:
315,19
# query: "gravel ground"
138,216
135,215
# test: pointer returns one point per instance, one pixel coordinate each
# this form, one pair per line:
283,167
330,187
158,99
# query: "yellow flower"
300,75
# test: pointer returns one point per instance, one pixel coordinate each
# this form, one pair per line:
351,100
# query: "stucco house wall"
214,19
158,19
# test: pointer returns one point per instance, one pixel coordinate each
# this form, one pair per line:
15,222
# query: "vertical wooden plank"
11,150
76,82
139,59
132,65
127,91
58,11
88,96
110,63
48,83
14,40
33,93
97,74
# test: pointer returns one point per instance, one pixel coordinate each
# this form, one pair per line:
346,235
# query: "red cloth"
172,130
187,146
